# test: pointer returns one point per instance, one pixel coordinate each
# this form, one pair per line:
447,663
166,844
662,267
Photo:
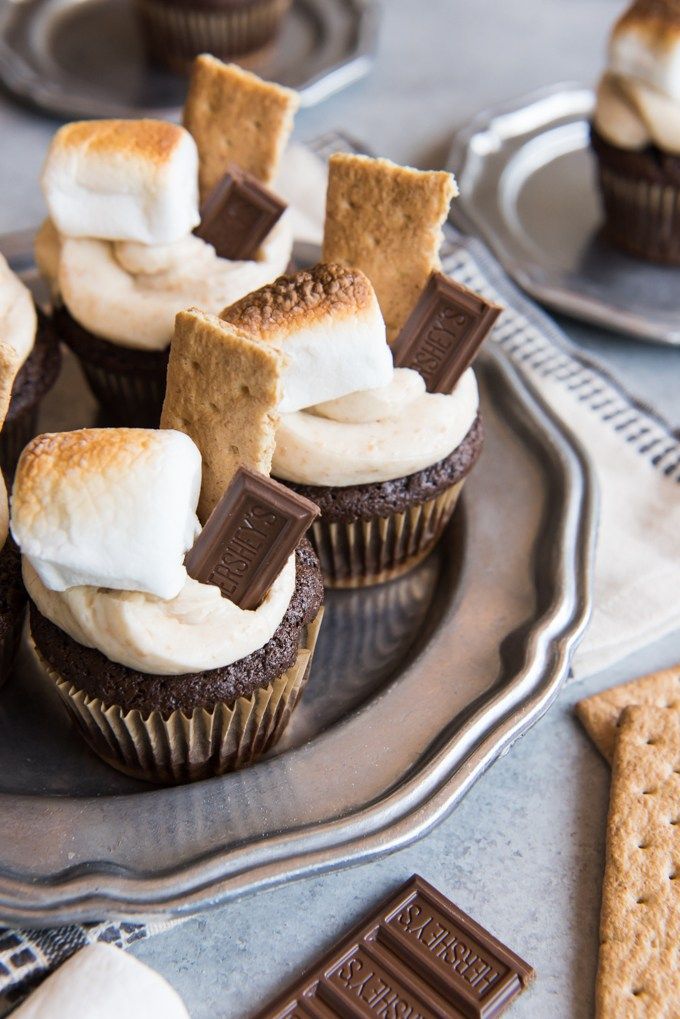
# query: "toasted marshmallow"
126,180
103,982
328,325
108,507
645,45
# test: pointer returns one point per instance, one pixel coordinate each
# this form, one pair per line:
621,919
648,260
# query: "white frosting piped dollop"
129,293
375,435
199,629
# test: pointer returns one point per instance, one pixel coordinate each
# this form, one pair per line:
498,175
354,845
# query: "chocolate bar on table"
238,215
248,537
443,333
417,957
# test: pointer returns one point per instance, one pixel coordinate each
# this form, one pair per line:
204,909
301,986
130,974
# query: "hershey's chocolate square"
248,537
444,332
238,215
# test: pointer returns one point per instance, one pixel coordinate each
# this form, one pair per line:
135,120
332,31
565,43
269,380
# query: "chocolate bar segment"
248,537
417,956
238,214
444,332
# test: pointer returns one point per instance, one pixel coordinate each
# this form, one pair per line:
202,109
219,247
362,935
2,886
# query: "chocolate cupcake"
176,31
30,360
635,134
121,257
382,450
165,677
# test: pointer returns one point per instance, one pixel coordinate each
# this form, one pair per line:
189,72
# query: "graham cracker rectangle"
639,973
223,391
9,368
235,117
600,713
387,220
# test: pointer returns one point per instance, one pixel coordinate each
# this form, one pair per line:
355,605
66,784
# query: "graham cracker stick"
638,972
387,220
600,713
235,117
223,390
9,368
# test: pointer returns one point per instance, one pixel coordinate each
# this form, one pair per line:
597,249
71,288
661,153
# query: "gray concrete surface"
523,852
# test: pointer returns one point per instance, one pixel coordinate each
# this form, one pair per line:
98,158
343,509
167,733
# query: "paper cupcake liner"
184,748
360,553
175,33
132,399
642,217
16,433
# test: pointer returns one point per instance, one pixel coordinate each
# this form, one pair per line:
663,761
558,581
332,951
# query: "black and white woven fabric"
637,462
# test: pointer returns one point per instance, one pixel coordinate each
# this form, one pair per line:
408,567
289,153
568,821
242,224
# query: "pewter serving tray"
84,58
417,686
528,188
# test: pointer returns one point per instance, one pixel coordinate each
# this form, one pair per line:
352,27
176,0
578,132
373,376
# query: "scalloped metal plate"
417,687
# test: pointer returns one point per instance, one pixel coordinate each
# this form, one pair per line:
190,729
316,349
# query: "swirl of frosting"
129,293
18,317
375,435
638,99
197,630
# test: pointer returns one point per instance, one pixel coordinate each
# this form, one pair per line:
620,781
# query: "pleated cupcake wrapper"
16,433
643,218
132,399
177,32
184,748
365,552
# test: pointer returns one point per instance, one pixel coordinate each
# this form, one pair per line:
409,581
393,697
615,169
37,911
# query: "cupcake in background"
176,31
636,132
167,676
125,246
381,456
30,360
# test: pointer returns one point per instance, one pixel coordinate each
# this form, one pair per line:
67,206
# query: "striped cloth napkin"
637,462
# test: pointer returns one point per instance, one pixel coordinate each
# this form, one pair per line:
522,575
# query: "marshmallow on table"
328,325
108,507
645,45
103,982
128,180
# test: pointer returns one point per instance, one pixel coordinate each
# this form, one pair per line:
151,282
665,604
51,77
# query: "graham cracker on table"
222,390
387,220
638,973
9,368
600,713
235,117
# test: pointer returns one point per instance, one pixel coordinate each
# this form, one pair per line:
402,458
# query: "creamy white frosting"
638,98
375,435
632,115
129,293
199,629
18,317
